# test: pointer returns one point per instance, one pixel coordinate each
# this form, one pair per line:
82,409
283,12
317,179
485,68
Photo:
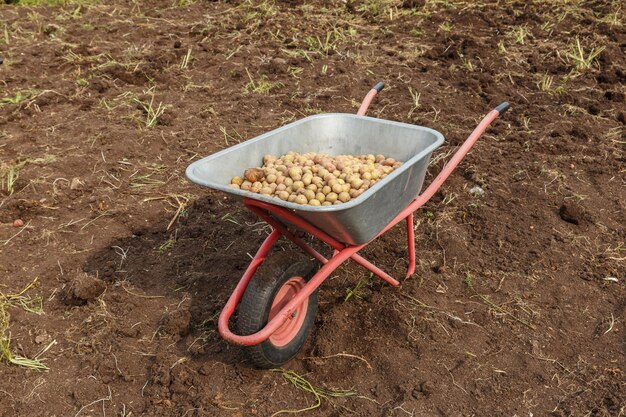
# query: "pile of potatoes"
316,179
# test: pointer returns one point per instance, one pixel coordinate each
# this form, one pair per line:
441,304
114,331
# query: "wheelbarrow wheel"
275,283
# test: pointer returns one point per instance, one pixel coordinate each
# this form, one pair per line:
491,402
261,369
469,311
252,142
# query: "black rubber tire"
257,301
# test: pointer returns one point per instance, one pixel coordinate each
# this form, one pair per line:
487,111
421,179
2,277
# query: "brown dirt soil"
518,303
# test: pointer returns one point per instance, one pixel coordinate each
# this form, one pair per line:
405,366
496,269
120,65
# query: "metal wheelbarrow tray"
359,220
277,303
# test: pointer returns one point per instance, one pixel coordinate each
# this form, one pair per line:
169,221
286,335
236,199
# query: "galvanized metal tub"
361,219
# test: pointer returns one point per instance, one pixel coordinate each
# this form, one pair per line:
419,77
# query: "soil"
517,305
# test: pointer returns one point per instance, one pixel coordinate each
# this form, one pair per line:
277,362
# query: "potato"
318,178
337,188
343,197
356,183
309,194
297,185
254,174
295,173
300,199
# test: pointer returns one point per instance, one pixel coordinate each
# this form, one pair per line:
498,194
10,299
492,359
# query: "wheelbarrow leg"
411,243
262,209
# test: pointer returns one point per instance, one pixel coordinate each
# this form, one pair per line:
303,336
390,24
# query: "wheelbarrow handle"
379,86
421,199
369,97
503,107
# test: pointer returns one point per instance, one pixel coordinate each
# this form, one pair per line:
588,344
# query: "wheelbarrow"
278,301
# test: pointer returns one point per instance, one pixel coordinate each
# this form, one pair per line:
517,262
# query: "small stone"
18,223
477,191
41,338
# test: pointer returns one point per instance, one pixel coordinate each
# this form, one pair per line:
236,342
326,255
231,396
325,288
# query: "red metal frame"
270,213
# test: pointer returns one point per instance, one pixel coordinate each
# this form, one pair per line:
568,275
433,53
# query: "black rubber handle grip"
503,107
378,87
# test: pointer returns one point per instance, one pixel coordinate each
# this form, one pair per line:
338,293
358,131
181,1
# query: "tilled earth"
518,303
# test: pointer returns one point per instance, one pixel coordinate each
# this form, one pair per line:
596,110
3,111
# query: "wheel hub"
290,328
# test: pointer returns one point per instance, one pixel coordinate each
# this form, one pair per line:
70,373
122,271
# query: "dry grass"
305,385
30,304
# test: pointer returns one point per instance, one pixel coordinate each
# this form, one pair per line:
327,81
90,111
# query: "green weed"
358,290
9,173
168,244
519,34
583,60
261,86
18,98
152,112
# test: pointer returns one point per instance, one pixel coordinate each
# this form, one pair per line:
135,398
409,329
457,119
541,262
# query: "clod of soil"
572,213
83,289
177,322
